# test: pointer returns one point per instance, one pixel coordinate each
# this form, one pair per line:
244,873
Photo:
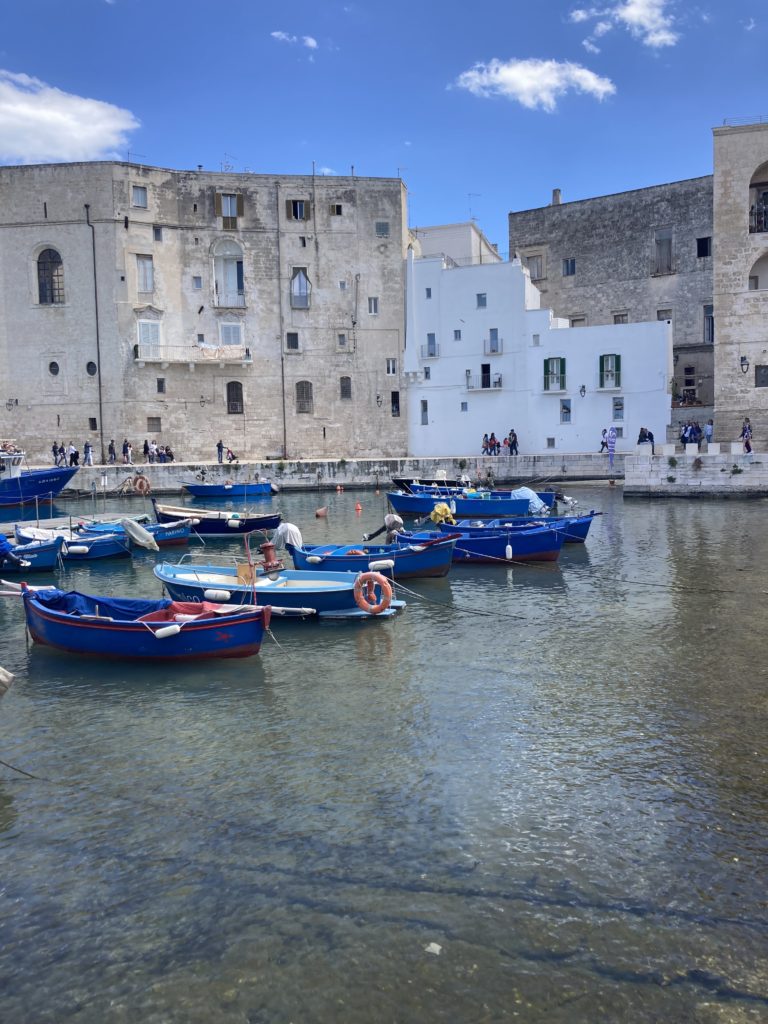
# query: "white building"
481,356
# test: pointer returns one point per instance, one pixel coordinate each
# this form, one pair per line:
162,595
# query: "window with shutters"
231,334
345,388
303,396
149,338
300,288
292,341
373,305
554,374
662,255
145,274
391,367
228,275
234,398
50,278
569,267
139,196
535,266
335,209
610,371
297,209
229,206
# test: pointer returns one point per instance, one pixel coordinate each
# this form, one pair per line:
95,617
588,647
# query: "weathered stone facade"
266,310
741,277
630,257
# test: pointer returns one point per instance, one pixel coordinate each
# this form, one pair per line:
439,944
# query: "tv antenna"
128,155
226,163
470,197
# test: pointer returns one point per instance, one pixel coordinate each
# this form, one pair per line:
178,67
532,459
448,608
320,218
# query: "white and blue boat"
470,502
537,544
290,592
79,547
231,489
20,486
420,560
41,556
575,527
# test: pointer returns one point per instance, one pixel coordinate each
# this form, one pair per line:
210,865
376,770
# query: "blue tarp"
122,608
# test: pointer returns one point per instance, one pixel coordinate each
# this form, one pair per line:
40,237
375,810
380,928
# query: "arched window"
758,275
50,278
303,396
234,397
345,387
228,274
300,288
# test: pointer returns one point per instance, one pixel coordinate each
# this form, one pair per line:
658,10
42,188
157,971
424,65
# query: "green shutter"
618,370
546,375
562,374
602,372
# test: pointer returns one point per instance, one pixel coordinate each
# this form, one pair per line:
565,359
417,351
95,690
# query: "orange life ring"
365,599
141,485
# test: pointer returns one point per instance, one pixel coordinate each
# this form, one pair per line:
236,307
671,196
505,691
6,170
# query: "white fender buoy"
382,564
234,523
195,522
452,507
165,631
78,549
216,595
508,551
314,559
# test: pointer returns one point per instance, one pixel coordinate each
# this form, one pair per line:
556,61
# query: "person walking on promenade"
746,435
62,455
512,442
55,452
220,451
146,450
88,453
111,452
603,442
709,429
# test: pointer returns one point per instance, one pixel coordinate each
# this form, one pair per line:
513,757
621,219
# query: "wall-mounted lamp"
379,401
582,390
202,399
744,364
10,403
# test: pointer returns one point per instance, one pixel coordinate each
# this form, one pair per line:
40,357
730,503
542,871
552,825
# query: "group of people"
492,446
70,456
153,452
220,450
692,433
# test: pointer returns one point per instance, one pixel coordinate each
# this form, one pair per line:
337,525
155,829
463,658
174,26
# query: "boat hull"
165,534
539,544
576,528
31,485
231,491
410,561
295,593
85,547
210,523
42,555
213,636
475,508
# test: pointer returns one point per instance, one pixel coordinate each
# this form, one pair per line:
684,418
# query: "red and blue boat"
20,486
575,527
208,522
121,627
537,544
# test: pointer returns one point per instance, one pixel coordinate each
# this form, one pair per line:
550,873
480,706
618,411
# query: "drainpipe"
98,339
282,322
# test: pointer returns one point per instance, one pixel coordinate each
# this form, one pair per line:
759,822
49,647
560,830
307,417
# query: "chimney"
555,196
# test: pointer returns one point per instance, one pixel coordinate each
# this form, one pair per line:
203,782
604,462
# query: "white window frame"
230,333
149,333
373,305
145,274
391,367
139,192
481,298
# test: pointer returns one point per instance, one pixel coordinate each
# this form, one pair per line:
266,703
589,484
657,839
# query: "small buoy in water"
339,488
358,507
321,513
508,551
378,492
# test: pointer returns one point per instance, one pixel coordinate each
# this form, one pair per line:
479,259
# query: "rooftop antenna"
226,163
128,155
471,196
399,169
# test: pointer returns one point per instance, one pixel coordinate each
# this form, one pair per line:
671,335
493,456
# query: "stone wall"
727,474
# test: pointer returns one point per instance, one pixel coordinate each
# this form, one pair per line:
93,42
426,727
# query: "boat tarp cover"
73,602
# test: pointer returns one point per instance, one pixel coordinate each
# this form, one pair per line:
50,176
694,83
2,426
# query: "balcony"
610,381
193,355
430,351
229,300
493,346
484,382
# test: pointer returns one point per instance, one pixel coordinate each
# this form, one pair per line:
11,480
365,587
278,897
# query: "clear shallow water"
558,774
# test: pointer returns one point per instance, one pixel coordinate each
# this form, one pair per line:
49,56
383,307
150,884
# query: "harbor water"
540,793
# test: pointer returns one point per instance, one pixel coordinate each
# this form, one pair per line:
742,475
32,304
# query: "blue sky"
480,107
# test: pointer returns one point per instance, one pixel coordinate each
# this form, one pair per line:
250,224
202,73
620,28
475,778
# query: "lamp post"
744,364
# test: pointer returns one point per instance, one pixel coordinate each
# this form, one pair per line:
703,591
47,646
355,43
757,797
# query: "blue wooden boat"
79,547
164,534
576,528
538,544
447,491
400,561
231,489
216,523
290,592
19,486
42,555
121,627
477,505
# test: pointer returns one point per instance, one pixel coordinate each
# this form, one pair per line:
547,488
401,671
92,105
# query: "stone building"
741,277
185,306
635,256
482,355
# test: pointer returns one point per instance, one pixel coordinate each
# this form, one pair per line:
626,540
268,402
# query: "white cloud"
533,83
285,37
589,46
325,171
647,20
749,25
39,122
